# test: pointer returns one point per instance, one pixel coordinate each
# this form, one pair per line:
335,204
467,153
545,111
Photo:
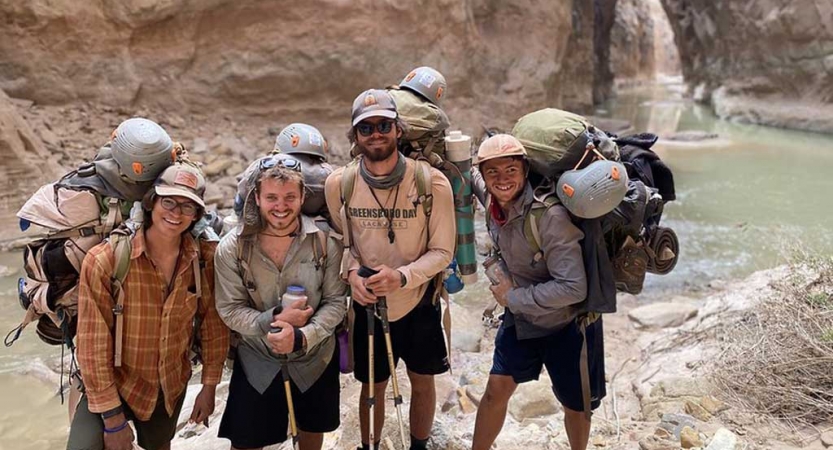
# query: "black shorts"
417,339
560,352
252,420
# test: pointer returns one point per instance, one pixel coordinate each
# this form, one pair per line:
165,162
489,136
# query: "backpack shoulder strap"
244,255
425,196
319,249
120,241
348,184
531,221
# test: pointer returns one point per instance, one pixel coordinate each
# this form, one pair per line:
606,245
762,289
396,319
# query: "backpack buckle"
118,310
86,231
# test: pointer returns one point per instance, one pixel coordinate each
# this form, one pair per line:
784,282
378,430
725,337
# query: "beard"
377,154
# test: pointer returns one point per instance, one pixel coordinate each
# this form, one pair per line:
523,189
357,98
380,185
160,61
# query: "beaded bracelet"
117,429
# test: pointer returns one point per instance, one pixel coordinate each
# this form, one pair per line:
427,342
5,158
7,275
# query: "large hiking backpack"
426,123
73,215
557,141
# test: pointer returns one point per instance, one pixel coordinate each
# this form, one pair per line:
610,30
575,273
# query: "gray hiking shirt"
548,290
326,294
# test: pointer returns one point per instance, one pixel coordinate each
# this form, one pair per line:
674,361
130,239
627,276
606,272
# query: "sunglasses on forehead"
366,129
289,163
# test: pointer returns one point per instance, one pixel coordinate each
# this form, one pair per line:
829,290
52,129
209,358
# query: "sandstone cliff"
764,61
642,42
304,60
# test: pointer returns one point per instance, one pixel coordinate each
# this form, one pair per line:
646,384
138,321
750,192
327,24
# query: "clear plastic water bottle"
293,294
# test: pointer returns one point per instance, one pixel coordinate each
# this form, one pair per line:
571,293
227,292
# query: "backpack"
426,122
74,213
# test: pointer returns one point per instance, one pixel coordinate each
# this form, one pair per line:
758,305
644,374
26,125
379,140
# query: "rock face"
765,61
307,60
642,42
22,170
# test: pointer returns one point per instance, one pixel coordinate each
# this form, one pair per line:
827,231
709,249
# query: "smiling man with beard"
386,225
542,294
275,247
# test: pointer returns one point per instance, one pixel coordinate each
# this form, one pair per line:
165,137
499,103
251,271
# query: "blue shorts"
560,352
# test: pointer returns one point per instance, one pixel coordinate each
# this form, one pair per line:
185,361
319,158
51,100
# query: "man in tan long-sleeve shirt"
386,226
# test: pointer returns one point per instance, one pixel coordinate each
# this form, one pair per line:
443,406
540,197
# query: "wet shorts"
87,430
560,352
254,420
417,339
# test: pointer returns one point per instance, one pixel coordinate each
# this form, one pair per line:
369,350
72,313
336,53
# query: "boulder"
533,399
662,315
827,439
690,438
723,440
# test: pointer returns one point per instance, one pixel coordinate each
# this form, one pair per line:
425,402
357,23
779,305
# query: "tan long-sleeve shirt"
422,246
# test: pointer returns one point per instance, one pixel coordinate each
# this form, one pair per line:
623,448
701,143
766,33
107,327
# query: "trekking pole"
382,306
371,399
293,427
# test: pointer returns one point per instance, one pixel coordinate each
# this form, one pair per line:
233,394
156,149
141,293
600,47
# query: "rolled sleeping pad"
665,250
458,152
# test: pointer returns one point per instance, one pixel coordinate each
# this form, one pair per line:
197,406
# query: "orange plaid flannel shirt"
157,329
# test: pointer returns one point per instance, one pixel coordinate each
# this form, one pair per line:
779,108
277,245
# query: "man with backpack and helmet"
397,218
279,288
135,331
542,292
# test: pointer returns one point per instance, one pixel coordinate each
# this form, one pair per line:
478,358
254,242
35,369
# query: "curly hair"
282,175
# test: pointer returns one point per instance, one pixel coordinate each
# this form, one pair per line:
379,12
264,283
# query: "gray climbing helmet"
593,191
301,138
427,82
142,149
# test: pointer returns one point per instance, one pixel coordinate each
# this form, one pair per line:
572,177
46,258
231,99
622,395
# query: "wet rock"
723,440
689,438
662,315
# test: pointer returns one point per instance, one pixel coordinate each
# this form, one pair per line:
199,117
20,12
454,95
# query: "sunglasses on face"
289,163
186,208
366,129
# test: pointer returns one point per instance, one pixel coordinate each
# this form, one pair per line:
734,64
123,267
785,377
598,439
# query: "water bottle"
293,294
452,282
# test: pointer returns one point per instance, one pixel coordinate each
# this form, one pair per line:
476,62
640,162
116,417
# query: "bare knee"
421,383
499,389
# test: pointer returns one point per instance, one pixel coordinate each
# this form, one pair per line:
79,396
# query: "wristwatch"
402,280
112,412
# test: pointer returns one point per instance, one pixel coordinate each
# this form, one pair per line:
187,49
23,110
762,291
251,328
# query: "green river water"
745,201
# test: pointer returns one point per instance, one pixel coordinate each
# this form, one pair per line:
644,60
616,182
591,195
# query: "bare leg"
378,411
310,441
577,427
492,410
423,404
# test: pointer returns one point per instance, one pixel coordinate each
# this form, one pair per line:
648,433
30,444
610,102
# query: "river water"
745,201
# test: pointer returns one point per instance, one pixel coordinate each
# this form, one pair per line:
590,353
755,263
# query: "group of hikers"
282,286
